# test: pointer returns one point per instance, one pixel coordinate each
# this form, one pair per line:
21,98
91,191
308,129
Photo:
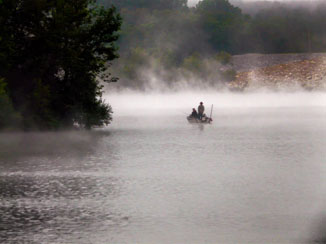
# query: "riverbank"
279,72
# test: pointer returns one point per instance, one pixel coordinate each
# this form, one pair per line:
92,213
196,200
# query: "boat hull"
193,120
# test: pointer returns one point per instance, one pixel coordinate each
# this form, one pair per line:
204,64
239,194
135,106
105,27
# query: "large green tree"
51,54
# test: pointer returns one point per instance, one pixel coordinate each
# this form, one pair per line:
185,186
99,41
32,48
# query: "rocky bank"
279,72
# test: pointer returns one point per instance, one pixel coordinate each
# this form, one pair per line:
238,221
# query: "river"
257,174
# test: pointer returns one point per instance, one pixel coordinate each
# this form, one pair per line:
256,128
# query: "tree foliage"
149,4
51,52
221,22
9,118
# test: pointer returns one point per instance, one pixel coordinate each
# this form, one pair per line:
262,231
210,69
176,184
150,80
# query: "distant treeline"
172,40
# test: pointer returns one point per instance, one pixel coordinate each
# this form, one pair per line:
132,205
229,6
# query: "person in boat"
201,110
194,114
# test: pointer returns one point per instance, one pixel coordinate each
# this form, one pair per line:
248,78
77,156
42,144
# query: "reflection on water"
51,186
49,144
253,176
34,208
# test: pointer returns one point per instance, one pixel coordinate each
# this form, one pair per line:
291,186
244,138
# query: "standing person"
201,110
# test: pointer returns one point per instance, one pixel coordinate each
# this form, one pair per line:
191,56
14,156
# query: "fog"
180,46
171,103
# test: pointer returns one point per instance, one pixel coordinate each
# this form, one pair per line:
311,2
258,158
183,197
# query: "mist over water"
171,103
255,175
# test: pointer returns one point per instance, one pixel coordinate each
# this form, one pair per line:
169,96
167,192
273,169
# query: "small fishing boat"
203,120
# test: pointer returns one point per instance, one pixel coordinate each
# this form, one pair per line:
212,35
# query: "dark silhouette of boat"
204,120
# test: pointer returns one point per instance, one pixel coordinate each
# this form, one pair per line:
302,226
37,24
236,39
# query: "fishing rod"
210,117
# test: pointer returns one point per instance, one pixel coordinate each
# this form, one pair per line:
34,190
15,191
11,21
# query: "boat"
204,120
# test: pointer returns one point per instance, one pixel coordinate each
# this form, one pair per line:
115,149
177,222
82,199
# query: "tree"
151,4
8,116
220,20
51,53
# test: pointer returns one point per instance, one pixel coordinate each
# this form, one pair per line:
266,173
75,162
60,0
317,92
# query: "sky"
193,2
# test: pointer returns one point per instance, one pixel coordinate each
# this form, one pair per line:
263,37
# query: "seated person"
194,113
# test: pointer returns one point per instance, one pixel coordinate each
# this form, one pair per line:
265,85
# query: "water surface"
256,175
